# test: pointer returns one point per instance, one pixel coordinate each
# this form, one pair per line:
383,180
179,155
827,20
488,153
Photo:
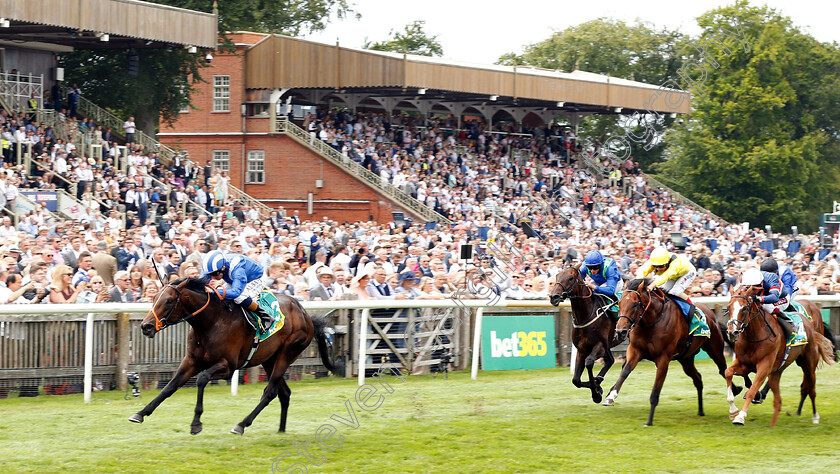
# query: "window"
221,160
221,93
256,167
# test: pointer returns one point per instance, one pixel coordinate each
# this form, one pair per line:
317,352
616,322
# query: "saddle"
607,305
686,307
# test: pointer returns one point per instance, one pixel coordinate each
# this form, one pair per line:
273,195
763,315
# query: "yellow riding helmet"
660,256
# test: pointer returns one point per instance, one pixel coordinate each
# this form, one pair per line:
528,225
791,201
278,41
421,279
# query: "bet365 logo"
519,344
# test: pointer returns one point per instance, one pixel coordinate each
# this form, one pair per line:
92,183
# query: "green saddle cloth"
269,303
699,326
797,336
614,308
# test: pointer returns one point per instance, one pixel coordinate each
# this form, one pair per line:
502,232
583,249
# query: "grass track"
516,421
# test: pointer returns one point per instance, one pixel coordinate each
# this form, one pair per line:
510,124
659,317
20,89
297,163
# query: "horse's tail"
828,335
825,348
323,340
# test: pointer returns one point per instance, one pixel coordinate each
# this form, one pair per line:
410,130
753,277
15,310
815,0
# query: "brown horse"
762,350
220,341
659,332
813,311
593,328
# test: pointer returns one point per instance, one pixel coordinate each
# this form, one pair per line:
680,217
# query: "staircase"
284,126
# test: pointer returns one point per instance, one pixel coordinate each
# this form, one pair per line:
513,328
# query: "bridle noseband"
161,323
638,311
751,308
566,292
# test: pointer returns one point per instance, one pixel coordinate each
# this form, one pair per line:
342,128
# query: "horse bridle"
742,326
162,323
566,292
638,312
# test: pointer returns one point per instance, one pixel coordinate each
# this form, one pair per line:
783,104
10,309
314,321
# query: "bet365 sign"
517,342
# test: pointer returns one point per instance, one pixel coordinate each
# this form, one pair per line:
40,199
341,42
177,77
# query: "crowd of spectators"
524,201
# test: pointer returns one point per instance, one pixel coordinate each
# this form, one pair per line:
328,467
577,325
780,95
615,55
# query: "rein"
638,320
162,323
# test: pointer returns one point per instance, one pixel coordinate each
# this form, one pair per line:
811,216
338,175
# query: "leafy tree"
637,52
413,40
761,143
165,78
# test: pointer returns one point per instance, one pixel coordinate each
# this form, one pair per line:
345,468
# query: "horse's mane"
194,284
636,283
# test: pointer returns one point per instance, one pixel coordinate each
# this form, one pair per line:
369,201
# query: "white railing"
285,126
16,90
50,310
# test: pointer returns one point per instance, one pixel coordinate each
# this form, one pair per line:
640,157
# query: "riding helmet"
752,277
660,256
593,258
213,262
769,265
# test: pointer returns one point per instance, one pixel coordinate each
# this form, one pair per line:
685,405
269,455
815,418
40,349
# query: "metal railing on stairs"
285,126
8,100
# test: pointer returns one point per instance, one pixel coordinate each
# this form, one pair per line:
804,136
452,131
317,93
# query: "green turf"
517,421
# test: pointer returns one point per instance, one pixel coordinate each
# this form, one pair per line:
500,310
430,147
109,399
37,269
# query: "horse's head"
632,306
565,285
173,302
741,304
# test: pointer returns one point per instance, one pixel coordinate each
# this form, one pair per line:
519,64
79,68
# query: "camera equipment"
133,379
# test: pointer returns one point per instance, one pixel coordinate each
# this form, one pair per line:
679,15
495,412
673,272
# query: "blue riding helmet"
593,259
213,262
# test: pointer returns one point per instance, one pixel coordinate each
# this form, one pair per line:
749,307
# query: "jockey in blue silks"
789,280
603,272
246,279
773,296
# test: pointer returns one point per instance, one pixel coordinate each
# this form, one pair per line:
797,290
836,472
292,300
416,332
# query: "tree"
761,142
165,79
413,40
604,46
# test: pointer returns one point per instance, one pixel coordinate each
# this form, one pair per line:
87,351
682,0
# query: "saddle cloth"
269,303
698,325
797,336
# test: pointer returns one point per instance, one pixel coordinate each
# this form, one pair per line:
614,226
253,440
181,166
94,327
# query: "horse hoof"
238,429
700,413
736,389
195,429
740,418
738,421
815,419
596,397
136,418
608,402
732,415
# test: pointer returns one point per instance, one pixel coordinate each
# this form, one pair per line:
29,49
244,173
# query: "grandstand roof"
282,62
81,24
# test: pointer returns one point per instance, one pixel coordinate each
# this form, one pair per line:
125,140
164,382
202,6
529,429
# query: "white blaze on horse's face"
736,310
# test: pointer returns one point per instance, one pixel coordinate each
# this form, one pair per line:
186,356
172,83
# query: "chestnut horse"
593,328
762,350
659,332
220,341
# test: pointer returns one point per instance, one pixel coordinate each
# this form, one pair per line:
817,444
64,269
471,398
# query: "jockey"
771,297
790,283
245,277
602,271
674,272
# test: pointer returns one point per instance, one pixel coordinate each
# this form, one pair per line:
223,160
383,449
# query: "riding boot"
265,319
785,322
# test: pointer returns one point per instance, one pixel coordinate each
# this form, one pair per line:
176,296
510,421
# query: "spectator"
62,289
121,292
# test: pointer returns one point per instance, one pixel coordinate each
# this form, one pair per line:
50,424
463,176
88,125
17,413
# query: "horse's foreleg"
186,370
773,384
594,387
730,372
691,371
633,358
762,370
579,371
715,351
203,379
609,360
661,372
271,391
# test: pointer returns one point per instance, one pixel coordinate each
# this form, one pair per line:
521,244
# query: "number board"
517,342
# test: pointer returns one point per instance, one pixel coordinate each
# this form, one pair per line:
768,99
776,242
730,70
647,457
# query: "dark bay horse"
659,332
219,343
760,348
593,328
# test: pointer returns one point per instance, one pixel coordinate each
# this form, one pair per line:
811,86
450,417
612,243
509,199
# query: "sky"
481,31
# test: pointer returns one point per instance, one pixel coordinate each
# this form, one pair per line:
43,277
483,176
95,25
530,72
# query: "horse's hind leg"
609,360
271,391
594,386
203,379
284,394
773,383
691,371
186,370
579,364
808,388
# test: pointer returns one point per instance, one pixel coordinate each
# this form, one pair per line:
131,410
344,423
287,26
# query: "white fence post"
88,357
363,332
479,315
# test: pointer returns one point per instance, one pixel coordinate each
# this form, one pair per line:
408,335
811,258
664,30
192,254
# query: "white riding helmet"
752,277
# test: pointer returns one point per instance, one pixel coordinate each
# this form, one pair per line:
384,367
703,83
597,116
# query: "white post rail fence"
24,353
